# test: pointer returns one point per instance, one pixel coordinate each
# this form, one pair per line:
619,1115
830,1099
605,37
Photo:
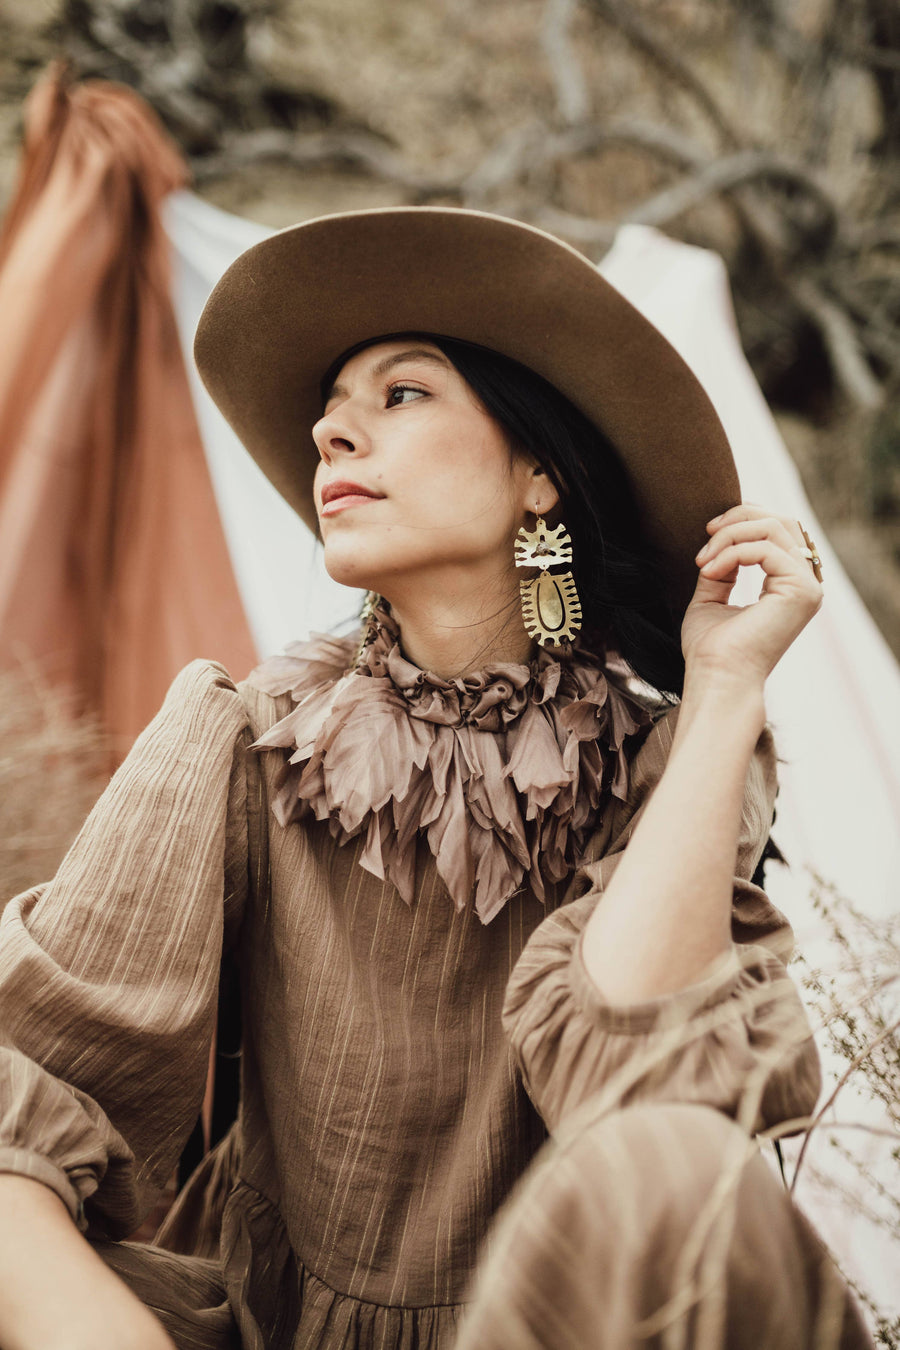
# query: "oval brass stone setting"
551,607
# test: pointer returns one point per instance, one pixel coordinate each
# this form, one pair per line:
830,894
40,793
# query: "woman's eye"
403,393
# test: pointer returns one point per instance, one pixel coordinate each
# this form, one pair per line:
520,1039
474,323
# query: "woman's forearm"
57,1294
666,914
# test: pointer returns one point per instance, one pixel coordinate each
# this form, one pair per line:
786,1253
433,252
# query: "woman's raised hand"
745,643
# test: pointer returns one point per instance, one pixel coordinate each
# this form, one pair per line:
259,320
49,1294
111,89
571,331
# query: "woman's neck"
451,639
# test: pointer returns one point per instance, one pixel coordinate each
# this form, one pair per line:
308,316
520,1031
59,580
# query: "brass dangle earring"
551,608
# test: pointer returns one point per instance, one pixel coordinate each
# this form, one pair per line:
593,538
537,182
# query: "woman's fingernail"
702,554
715,520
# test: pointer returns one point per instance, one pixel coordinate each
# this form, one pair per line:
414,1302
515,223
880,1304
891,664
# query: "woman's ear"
544,494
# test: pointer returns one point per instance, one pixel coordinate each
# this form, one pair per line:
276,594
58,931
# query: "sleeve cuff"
716,980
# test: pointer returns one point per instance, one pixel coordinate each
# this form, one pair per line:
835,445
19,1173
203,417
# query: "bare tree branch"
874,321
874,58
852,371
866,236
621,15
532,148
722,175
667,143
572,99
592,234
505,162
359,150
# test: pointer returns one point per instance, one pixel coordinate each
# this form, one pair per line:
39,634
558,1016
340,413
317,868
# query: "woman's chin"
348,570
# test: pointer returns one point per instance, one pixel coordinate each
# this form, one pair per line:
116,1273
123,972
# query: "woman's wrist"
732,699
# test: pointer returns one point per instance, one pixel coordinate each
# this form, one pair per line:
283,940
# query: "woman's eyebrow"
389,362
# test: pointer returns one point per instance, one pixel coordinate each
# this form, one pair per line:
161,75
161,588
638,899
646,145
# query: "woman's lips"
339,496
350,499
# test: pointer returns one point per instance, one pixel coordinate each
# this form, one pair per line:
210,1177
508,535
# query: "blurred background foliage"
768,130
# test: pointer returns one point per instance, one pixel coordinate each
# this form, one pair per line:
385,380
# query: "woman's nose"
336,435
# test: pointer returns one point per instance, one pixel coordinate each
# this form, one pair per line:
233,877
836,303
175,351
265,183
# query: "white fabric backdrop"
834,700
278,565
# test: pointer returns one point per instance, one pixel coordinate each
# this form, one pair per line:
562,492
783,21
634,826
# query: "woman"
412,854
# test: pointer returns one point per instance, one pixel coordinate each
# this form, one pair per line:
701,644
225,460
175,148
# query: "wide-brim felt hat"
290,306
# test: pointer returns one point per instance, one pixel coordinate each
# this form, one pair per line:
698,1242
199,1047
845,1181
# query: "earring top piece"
543,547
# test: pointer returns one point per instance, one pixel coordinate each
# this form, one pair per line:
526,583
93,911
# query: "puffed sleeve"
109,974
737,1040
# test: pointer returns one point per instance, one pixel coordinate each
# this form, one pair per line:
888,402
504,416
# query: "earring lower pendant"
551,607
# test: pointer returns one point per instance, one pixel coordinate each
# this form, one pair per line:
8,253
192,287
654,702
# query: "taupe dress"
377,865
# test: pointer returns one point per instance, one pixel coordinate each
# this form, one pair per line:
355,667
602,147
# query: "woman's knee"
669,1156
661,1219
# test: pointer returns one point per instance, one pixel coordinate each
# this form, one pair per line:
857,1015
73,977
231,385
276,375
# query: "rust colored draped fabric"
114,570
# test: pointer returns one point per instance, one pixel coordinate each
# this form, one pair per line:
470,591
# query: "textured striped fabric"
384,1118
661,1227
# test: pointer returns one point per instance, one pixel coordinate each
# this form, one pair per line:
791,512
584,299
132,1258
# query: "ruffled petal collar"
503,771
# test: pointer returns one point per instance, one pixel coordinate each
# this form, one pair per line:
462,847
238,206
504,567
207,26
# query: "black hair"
618,574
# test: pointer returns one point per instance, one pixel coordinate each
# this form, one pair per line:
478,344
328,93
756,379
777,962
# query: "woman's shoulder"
198,680
201,709
204,691
201,688
650,751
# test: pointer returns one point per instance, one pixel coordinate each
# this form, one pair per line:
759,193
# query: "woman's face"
416,483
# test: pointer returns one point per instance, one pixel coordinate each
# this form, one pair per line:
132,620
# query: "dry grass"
857,1000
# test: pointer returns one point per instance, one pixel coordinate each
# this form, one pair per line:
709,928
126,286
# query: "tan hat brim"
290,306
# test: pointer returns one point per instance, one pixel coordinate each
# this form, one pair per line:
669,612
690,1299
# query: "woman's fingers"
749,641
745,517
779,564
750,511
747,524
774,560
742,531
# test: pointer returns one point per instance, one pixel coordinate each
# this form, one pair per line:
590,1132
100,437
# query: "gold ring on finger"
811,553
